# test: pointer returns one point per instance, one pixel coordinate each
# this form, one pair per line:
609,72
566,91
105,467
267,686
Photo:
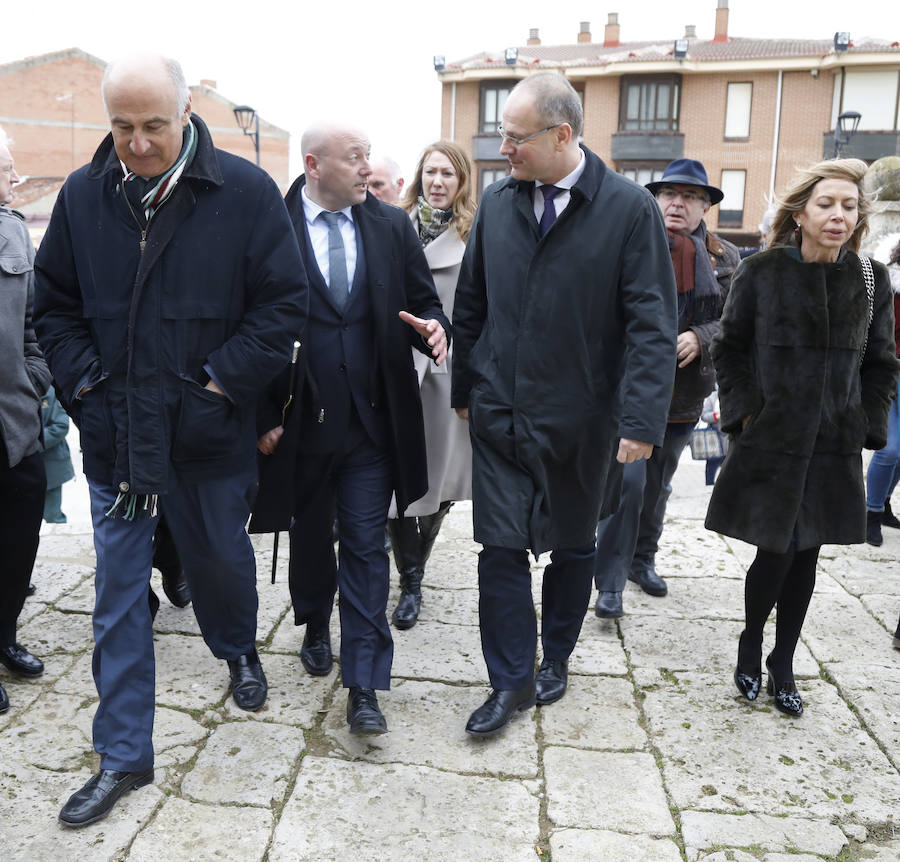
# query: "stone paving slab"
598,845
441,652
606,790
338,811
723,753
704,830
835,622
597,712
885,609
427,723
245,764
55,632
188,830
716,597
599,649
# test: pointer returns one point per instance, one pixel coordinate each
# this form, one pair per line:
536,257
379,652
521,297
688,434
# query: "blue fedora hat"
686,172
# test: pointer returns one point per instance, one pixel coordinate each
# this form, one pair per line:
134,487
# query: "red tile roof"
595,54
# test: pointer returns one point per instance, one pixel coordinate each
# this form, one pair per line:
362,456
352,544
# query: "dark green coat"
788,355
564,344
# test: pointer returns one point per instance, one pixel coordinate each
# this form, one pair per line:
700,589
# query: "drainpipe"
453,111
775,139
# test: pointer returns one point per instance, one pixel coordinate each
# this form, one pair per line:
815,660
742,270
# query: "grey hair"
555,100
176,76
5,140
394,169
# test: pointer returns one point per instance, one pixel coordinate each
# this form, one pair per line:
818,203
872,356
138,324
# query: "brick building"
752,110
51,107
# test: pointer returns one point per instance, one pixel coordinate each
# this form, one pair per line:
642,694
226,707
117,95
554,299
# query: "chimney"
584,33
721,22
533,37
690,31
611,31
208,82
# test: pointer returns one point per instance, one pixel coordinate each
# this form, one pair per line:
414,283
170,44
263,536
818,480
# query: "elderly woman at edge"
441,203
806,369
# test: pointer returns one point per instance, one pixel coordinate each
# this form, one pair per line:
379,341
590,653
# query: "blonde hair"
795,199
464,203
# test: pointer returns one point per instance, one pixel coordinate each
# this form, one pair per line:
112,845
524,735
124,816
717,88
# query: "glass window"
642,173
737,110
731,209
486,176
873,93
649,104
493,98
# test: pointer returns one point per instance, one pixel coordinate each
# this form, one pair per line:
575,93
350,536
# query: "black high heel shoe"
748,684
787,698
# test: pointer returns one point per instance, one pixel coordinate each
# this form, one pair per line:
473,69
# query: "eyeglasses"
517,142
669,194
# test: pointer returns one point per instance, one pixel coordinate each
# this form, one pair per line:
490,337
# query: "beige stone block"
245,763
705,830
604,790
189,831
599,845
441,652
722,753
346,811
52,632
426,725
596,712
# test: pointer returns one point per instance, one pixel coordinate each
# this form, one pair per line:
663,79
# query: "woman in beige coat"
441,204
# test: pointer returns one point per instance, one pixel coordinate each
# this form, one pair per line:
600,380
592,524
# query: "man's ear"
311,165
563,134
186,116
400,185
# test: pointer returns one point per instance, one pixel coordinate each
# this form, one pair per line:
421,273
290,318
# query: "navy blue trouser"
628,539
506,610
356,483
21,507
207,521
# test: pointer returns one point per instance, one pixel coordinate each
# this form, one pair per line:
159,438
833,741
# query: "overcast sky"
356,60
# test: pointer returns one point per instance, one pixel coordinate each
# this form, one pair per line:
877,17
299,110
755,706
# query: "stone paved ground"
650,757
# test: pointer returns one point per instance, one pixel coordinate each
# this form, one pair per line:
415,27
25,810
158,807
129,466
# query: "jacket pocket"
209,425
93,417
14,264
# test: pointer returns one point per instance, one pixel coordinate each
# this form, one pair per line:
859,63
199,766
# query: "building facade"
51,108
752,110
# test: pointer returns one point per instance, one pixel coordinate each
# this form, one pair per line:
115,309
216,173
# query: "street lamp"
245,115
844,129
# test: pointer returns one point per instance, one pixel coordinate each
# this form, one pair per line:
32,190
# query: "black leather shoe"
32,589
787,698
96,799
748,684
651,583
20,661
4,699
176,589
551,681
248,682
494,714
315,653
363,714
406,614
609,606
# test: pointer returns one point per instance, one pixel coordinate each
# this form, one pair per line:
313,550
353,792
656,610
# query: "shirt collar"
311,209
568,181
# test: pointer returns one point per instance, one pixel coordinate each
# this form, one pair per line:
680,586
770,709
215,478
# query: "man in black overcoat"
565,326
342,430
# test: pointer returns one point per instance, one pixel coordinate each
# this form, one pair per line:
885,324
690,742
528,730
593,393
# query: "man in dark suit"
565,314
346,432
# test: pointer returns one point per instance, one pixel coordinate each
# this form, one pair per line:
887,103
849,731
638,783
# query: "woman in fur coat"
806,370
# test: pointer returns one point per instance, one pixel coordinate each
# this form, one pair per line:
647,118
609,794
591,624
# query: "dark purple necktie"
549,216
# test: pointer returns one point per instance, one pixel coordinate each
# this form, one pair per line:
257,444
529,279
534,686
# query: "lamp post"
844,129
245,115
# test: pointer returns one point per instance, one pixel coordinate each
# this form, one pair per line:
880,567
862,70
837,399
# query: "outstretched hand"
432,332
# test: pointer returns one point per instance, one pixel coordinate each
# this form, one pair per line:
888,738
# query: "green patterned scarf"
432,222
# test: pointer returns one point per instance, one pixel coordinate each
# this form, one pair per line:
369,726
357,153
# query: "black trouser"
22,489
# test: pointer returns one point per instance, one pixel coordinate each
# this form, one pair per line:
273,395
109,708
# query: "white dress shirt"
318,235
561,201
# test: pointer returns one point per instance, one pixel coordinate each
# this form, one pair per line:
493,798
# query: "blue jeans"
884,468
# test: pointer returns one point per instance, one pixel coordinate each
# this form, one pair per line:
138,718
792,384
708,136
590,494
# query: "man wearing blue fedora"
627,540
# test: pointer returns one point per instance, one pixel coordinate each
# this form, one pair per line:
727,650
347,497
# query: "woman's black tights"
786,580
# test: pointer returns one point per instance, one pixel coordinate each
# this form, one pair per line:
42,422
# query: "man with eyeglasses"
627,541
565,325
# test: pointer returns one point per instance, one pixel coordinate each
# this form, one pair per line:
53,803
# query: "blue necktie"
549,216
337,260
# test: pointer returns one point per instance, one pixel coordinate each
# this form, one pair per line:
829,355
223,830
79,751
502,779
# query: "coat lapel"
375,232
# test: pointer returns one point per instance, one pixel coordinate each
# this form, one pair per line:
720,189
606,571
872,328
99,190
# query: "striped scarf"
159,188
